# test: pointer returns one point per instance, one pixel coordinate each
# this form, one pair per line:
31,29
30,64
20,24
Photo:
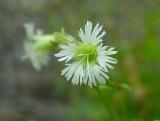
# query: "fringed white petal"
90,34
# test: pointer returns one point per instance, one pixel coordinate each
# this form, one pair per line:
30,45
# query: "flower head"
37,47
87,60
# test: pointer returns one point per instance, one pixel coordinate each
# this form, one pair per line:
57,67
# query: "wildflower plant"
87,59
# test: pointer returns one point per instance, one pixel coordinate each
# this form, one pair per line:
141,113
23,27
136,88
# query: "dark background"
133,27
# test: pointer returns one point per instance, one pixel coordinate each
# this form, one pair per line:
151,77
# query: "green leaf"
125,86
107,88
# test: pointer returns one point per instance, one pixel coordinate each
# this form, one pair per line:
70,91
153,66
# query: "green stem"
107,107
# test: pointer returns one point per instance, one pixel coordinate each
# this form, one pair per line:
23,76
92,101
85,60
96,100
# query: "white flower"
87,60
37,46
37,58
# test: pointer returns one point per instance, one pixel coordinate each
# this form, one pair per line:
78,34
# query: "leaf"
125,86
107,88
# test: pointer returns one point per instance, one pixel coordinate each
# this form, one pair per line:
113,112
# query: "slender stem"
107,107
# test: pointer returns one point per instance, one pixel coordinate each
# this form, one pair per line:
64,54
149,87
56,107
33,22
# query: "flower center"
86,53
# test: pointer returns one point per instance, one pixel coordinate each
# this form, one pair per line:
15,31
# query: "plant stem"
107,107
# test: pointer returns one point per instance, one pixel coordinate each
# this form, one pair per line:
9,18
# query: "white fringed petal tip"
91,34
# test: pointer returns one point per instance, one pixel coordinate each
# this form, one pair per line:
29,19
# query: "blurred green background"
133,27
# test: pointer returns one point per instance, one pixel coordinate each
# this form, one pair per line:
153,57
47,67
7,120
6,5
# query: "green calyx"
59,37
87,53
49,42
44,43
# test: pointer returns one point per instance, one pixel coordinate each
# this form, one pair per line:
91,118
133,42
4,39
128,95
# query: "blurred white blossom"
37,46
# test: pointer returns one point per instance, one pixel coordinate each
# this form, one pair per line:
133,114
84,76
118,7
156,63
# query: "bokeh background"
133,27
